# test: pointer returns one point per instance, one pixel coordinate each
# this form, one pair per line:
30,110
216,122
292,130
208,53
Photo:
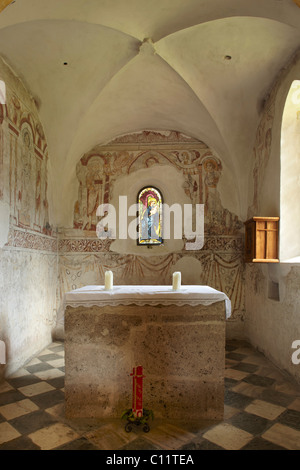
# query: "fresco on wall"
23,175
84,258
261,153
28,251
98,171
262,148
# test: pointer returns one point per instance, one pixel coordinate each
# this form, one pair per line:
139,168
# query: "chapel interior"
199,98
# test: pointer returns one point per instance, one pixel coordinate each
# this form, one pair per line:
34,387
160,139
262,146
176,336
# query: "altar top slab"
146,295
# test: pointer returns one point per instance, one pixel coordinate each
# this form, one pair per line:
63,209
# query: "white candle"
108,280
2,353
176,280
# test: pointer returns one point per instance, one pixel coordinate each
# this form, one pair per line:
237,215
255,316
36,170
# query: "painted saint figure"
150,217
150,220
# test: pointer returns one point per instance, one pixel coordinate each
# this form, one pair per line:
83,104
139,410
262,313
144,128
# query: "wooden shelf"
261,240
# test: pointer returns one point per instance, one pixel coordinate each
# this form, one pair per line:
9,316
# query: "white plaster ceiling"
149,64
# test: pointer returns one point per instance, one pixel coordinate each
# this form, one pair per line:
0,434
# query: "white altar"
177,336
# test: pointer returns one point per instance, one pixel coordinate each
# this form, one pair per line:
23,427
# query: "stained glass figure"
150,216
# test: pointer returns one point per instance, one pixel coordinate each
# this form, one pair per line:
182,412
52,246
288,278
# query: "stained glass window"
150,216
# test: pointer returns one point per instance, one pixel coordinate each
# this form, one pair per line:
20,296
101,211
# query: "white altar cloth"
146,295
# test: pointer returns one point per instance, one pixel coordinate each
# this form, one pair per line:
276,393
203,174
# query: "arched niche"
290,176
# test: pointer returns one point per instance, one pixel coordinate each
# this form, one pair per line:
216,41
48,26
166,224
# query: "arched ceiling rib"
160,95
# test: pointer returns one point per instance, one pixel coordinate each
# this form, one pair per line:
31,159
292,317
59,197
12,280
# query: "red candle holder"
137,415
137,391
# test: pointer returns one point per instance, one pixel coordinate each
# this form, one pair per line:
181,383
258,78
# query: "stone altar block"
177,336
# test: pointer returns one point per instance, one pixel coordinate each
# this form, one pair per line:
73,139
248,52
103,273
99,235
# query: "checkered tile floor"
262,412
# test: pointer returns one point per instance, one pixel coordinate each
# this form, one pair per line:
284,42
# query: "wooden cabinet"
261,240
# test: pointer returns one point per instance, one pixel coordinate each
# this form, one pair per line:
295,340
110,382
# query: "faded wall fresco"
28,251
23,179
262,149
98,170
83,258
261,153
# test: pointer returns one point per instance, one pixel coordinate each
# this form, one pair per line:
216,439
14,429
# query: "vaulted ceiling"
102,68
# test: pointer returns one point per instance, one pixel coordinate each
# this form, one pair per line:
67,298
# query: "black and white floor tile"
261,411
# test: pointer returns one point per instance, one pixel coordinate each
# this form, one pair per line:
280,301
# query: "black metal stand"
129,425
133,421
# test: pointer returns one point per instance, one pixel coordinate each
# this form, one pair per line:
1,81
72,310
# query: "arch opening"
290,177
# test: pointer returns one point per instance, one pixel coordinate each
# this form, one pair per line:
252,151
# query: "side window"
290,179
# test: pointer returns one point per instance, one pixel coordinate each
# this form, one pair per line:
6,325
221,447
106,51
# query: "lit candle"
108,280
176,280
